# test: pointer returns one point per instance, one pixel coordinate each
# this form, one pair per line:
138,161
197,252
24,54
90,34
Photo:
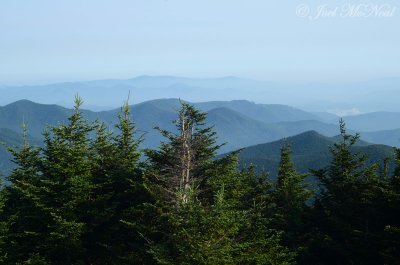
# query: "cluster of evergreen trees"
89,197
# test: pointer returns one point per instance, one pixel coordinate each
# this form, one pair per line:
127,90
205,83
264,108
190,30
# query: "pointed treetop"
78,102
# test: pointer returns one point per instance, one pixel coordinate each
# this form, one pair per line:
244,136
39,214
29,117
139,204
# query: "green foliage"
22,217
290,196
223,219
67,199
118,194
291,191
232,229
88,196
349,207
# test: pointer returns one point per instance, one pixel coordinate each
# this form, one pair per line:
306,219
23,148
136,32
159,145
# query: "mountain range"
238,123
351,97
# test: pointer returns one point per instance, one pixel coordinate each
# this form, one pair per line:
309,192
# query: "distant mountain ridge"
112,92
374,121
268,113
105,94
259,123
237,123
310,151
36,116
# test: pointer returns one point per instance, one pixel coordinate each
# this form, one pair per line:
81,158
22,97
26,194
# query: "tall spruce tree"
23,217
290,196
66,186
48,192
117,215
347,208
260,240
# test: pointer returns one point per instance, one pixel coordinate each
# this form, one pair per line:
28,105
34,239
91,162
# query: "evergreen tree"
290,196
48,192
178,174
117,214
209,213
24,228
231,229
348,208
182,161
66,186
260,238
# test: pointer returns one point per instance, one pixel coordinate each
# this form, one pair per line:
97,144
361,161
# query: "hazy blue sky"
48,40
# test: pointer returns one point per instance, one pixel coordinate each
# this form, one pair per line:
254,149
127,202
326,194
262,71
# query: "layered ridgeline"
238,123
268,122
106,94
310,151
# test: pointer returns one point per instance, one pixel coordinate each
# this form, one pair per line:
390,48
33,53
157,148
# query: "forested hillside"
310,150
87,197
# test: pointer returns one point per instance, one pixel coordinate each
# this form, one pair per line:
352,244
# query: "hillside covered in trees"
310,150
87,196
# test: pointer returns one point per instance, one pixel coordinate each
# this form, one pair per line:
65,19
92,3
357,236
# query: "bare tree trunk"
186,158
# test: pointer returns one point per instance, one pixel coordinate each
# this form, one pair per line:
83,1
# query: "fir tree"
24,229
260,238
117,214
219,217
290,196
67,186
348,208
48,192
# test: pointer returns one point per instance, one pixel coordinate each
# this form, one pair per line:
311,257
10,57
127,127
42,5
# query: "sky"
45,41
